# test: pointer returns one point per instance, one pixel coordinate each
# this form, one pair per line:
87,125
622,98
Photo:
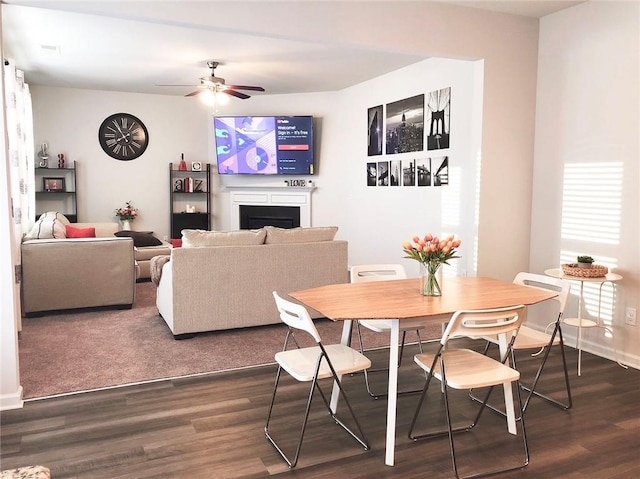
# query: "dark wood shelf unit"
179,217
64,201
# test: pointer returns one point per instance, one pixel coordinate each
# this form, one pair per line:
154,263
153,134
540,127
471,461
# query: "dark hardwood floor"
212,427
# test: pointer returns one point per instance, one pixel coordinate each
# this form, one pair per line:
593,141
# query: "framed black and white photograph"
372,174
196,166
405,125
383,173
423,170
438,119
53,184
409,173
440,171
375,130
395,173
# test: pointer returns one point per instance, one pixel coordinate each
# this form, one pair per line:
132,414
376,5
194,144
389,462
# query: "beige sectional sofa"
75,265
227,283
67,273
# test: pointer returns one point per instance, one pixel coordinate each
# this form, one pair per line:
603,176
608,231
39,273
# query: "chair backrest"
540,281
485,322
366,273
296,316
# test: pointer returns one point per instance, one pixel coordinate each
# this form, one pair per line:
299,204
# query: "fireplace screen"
255,217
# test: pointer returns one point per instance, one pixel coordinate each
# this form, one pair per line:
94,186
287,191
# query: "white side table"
581,322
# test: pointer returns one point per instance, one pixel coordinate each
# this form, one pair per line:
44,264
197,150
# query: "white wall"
588,113
68,120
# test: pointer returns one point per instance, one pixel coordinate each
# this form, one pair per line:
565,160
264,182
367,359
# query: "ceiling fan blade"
244,87
176,84
237,94
194,93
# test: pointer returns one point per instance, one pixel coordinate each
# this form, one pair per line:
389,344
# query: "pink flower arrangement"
432,251
128,213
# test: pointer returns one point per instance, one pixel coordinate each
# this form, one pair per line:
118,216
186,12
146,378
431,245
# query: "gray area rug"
70,352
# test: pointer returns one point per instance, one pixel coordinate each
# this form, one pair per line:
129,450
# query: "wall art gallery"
400,125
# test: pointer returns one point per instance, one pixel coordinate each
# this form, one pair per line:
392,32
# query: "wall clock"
123,136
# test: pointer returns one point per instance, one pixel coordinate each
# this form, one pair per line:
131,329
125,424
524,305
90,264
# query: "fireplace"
255,217
286,198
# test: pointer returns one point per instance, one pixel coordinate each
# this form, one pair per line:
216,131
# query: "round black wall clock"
123,136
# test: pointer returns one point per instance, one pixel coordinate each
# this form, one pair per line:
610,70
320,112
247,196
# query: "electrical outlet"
630,317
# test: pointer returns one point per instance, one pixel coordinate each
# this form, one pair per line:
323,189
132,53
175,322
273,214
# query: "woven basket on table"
596,270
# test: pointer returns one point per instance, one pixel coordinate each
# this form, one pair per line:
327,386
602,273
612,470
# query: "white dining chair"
458,368
542,341
311,364
381,272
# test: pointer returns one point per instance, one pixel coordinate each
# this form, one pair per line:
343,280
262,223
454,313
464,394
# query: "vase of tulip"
431,279
431,252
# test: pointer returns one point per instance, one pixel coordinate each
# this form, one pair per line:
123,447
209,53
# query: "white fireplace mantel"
270,196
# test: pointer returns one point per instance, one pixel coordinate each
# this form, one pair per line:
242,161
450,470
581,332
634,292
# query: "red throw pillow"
73,232
176,243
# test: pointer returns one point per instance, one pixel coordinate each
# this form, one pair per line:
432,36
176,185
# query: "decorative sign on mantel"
298,183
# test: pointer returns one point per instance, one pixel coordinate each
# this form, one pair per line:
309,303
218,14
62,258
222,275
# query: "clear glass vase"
431,279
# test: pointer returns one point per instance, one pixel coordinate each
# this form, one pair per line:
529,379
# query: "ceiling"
137,46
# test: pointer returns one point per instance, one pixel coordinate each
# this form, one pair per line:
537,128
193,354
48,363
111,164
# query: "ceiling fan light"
208,97
222,99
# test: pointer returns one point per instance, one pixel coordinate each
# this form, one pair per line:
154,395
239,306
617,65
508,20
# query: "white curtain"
21,150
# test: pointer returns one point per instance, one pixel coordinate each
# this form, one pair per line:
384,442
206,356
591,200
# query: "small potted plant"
585,262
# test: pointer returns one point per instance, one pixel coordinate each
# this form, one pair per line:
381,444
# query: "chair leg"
531,390
361,439
450,431
314,385
378,370
291,463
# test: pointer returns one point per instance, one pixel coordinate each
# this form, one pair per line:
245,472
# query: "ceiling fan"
214,84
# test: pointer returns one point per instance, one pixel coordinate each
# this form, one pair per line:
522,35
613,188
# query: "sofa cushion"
202,238
73,232
277,235
50,225
148,252
140,238
103,230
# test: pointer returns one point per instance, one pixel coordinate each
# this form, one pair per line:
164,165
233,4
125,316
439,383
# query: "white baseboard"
604,351
11,401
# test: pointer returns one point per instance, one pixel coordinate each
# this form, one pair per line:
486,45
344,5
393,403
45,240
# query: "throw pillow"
73,232
202,238
277,235
140,238
50,225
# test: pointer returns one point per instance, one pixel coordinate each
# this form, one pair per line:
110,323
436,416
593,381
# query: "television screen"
264,145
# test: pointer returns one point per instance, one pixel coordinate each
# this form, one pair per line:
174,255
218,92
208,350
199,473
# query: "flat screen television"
264,145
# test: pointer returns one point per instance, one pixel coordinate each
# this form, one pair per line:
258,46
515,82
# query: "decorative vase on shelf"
431,279
126,225
183,164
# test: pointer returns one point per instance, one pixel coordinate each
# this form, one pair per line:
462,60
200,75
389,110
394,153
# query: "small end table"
581,322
